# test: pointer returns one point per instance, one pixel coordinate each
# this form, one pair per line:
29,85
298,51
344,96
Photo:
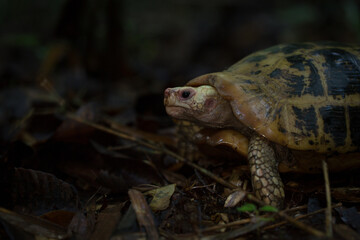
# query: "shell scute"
306,121
342,71
334,118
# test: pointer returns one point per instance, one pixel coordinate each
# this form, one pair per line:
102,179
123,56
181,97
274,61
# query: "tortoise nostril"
167,92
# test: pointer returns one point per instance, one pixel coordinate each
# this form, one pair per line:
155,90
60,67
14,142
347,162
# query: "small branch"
143,213
153,146
301,225
301,216
296,208
328,226
200,169
227,225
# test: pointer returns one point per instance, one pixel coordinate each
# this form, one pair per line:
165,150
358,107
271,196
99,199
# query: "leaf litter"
84,175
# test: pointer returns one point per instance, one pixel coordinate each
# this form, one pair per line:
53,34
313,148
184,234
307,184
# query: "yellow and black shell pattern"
305,96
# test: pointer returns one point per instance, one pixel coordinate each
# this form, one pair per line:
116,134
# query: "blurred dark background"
119,51
109,61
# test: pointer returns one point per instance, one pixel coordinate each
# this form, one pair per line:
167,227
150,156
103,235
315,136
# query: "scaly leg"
265,176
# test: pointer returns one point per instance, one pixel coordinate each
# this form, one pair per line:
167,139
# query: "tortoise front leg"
265,176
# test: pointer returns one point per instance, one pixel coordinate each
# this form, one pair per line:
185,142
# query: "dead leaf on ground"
107,221
39,192
23,225
234,198
161,197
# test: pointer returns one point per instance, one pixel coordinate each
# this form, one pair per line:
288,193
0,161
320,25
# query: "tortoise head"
201,104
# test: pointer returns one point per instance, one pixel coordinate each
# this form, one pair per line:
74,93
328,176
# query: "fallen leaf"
234,198
60,217
40,192
161,197
81,225
107,221
36,226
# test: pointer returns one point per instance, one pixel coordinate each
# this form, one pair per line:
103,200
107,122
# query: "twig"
153,146
236,232
227,225
109,130
143,213
328,226
202,170
296,208
301,225
301,216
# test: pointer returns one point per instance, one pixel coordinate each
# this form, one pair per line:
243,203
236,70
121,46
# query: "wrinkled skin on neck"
201,104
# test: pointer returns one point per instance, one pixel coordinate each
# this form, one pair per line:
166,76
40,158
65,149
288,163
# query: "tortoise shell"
304,96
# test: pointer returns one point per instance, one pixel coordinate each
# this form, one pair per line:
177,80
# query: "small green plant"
268,208
249,207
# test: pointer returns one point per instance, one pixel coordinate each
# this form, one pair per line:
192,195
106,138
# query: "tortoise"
297,102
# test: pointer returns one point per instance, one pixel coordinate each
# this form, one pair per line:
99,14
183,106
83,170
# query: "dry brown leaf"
106,222
234,198
161,197
36,226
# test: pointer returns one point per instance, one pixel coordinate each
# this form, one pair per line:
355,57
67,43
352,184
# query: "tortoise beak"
169,97
170,103
167,93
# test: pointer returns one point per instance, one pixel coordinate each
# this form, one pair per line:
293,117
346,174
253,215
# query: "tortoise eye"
185,94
